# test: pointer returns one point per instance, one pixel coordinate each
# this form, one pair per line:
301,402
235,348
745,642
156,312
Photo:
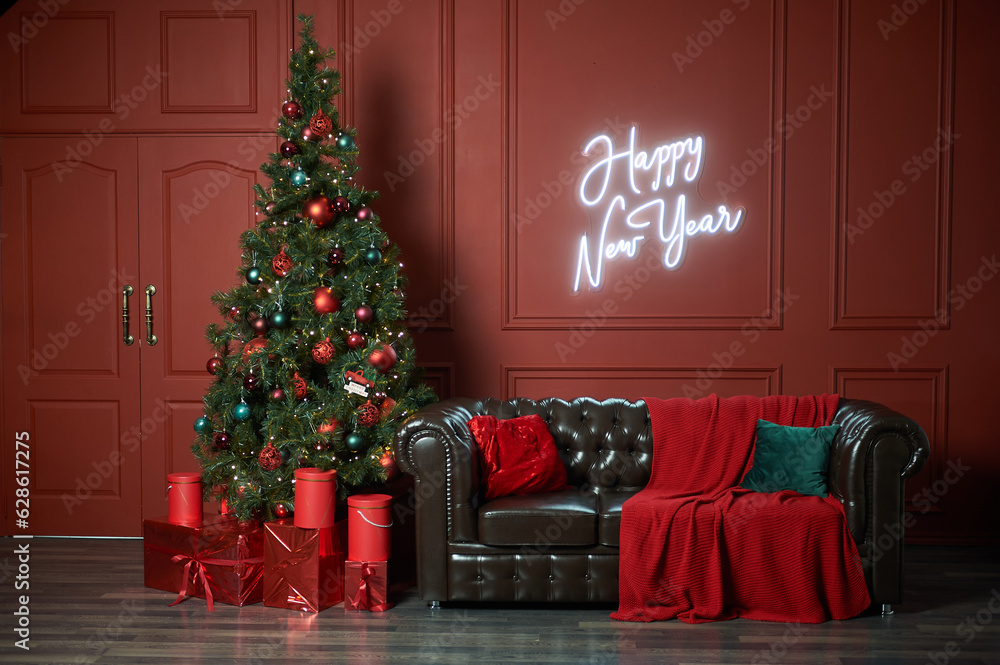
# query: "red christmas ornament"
325,301
280,510
288,149
321,124
364,214
309,135
341,204
281,264
259,326
291,110
222,440
387,406
324,352
364,314
367,414
318,210
388,463
270,207
335,258
300,386
277,394
355,340
234,313
251,381
270,458
253,347
329,427
383,359
214,365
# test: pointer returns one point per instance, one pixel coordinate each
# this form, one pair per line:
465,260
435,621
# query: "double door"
108,265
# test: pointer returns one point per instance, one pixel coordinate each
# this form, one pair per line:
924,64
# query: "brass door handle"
150,337
127,339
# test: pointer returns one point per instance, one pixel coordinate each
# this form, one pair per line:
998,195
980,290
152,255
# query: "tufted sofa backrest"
607,445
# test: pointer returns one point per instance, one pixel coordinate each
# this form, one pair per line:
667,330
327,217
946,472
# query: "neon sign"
627,223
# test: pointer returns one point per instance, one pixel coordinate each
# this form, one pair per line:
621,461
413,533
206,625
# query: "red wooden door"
194,207
70,381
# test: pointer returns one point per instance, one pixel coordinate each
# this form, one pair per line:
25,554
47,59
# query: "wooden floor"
88,605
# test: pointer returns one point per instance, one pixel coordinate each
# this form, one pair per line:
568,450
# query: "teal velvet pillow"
790,458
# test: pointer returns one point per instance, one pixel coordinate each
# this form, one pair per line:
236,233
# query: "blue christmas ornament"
202,425
299,178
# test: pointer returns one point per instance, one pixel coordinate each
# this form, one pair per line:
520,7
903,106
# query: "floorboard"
88,605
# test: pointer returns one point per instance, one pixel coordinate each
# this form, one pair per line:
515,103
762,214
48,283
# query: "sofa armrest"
436,447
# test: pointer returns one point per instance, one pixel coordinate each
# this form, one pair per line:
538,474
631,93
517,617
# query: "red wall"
472,117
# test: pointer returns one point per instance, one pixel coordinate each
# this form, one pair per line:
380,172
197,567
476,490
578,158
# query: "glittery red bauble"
318,210
291,110
364,314
222,440
270,458
325,301
341,204
213,365
367,415
300,386
321,124
355,340
280,510
383,359
259,326
282,264
329,427
253,347
288,149
387,406
388,463
323,352
364,214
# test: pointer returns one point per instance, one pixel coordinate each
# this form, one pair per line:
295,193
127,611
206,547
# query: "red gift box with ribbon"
303,568
221,559
366,586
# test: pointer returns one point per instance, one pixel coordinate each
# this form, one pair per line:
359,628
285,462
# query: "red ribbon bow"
362,599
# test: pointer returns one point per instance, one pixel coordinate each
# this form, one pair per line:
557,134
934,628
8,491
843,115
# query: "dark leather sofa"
563,546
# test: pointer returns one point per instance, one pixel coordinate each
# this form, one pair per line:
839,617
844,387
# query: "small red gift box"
303,568
366,586
220,559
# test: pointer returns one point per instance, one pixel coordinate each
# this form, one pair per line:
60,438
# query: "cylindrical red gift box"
369,518
315,497
184,505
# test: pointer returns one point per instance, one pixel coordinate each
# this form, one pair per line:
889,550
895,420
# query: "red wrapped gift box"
366,586
303,568
220,559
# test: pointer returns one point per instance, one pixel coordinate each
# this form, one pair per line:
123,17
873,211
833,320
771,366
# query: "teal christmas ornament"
280,320
241,412
253,276
202,425
373,256
345,142
354,441
299,178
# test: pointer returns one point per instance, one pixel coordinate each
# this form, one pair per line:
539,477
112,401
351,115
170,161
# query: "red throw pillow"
517,456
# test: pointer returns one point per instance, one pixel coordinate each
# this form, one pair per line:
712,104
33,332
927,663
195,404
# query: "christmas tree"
313,364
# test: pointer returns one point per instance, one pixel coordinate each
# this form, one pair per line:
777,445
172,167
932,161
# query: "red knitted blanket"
696,548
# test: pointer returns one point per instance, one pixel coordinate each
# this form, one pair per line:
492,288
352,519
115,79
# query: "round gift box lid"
369,500
310,473
183,477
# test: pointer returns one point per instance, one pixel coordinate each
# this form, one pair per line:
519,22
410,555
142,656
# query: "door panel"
197,199
69,380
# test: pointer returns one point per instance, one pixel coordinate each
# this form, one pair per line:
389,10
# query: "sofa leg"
887,610
434,605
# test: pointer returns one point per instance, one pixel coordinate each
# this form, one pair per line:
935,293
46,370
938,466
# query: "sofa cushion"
609,516
540,520
518,456
790,458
